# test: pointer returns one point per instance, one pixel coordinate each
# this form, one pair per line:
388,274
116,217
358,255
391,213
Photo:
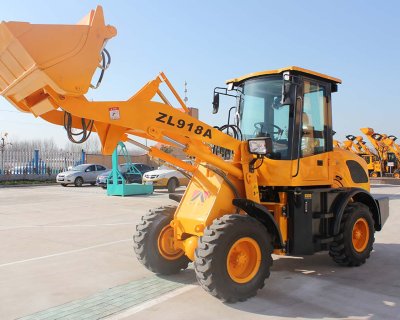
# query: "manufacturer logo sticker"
198,194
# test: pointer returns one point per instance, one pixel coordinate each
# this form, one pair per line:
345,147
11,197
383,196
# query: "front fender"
259,212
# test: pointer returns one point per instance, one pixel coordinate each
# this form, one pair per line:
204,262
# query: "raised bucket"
61,57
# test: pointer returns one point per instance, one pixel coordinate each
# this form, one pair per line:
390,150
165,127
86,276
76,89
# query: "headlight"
260,146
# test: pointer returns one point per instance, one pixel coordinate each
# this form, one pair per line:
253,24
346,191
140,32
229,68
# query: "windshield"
164,167
123,167
262,115
81,167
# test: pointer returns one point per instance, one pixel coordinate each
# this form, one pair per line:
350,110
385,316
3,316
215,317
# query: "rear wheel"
396,174
153,243
92,183
172,184
233,258
353,245
78,182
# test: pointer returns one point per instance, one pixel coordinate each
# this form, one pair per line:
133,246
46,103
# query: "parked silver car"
83,173
128,172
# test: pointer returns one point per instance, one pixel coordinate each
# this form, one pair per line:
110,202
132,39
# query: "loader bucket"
367,131
61,57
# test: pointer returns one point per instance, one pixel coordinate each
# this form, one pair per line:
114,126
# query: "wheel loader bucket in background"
64,58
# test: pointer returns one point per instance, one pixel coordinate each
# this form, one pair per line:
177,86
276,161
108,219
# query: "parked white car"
166,177
84,173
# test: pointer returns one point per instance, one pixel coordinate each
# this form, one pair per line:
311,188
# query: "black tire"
172,184
93,183
342,250
374,174
78,182
145,242
63,184
104,187
211,256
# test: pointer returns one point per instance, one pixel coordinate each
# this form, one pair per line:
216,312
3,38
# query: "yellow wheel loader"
358,145
272,184
393,163
388,151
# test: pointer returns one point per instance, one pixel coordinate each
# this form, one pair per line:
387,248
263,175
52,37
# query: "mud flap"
383,206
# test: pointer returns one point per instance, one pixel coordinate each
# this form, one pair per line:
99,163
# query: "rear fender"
379,207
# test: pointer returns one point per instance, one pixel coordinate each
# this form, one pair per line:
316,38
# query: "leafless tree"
92,145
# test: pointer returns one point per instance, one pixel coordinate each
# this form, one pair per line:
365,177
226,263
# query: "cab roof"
279,71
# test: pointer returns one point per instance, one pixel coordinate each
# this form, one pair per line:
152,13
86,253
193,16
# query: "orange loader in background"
359,146
387,151
393,163
274,185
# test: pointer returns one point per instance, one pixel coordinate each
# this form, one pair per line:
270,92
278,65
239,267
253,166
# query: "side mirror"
287,90
215,103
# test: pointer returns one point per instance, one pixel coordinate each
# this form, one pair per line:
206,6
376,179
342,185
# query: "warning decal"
114,113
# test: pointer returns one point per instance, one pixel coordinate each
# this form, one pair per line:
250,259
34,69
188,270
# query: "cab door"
315,140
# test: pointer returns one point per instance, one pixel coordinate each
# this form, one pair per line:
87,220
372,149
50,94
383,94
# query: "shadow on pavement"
314,287
185,277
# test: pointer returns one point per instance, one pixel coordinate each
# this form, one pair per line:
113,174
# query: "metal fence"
16,162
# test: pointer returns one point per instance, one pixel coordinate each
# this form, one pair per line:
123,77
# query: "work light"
260,146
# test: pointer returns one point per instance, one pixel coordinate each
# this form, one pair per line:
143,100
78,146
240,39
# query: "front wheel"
353,245
153,243
78,182
233,257
172,185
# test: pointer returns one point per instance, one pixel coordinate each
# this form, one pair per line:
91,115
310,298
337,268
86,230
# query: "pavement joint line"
150,303
2,228
63,253
123,301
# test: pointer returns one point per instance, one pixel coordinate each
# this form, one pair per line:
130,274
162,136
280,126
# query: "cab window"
314,120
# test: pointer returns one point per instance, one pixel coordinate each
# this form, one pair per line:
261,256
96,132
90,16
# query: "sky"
207,42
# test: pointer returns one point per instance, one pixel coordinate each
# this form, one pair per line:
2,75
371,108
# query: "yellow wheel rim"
374,175
397,175
166,244
360,235
244,260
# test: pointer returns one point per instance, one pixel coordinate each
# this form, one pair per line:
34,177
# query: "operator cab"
291,106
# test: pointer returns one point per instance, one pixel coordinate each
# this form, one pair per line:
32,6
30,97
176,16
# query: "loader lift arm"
148,119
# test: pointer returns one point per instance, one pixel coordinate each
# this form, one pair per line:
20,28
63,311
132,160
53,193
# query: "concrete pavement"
69,245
